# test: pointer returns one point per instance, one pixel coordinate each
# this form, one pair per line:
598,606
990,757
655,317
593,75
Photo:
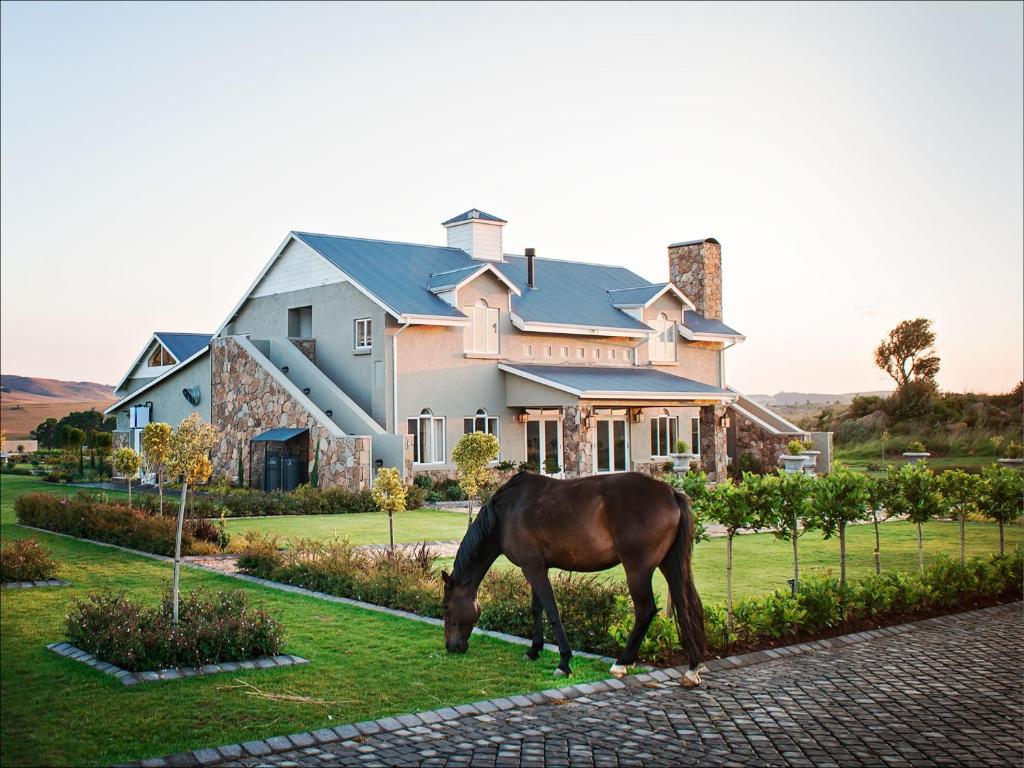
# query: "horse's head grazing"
461,610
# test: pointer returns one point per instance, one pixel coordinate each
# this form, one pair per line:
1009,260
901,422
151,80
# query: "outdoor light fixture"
638,416
284,369
586,421
522,417
329,413
724,421
305,390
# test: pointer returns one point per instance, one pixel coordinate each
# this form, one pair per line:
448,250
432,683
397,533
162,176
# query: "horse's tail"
678,570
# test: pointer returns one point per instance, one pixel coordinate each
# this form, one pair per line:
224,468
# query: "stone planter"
811,461
1012,463
913,457
681,461
793,464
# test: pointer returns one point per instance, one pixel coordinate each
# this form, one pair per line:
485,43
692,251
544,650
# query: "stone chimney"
695,268
477,233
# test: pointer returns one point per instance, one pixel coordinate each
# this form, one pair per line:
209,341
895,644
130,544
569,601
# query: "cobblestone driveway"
944,693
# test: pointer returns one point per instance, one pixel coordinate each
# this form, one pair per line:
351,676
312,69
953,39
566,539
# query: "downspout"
721,364
394,375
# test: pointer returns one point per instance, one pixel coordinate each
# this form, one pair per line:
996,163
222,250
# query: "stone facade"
696,270
764,446
714,445
577,441
248,400
306,347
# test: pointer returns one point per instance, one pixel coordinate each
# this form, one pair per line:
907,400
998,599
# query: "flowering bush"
25,560
212,628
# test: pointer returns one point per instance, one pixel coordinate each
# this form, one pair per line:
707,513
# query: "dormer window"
663,341
481,335
160,357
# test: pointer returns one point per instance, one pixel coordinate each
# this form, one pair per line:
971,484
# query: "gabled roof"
596,382
696,326
456,278
183,345
645,295
473,213
152,383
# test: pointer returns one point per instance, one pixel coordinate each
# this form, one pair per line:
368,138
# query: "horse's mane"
485,525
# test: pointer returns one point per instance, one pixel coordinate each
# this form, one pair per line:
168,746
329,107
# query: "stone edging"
264,747
515,639
153,676
32,584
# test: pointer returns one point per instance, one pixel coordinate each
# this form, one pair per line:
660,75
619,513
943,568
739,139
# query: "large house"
373,353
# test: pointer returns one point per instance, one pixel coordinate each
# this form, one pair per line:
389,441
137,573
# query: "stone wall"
306,347
764,446
696,270
247,400
577,441
714,444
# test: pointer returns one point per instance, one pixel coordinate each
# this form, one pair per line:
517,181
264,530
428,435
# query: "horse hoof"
618,670
528,657
562,673
690,679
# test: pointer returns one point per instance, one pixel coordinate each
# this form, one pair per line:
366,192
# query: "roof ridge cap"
378,240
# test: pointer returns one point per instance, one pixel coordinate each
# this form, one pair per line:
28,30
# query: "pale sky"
860,164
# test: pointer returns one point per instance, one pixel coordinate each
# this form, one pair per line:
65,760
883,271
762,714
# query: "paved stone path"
941,692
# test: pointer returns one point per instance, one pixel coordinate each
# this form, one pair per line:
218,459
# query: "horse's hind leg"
537,609
644,609
538,578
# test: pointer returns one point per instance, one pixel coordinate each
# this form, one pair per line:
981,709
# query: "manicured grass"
363,665
360,528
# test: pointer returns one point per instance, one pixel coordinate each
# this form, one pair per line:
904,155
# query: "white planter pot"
1013,463
793,464
681,461
913,457
811,461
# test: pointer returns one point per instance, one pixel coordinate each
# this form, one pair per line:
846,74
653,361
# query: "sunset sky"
860,164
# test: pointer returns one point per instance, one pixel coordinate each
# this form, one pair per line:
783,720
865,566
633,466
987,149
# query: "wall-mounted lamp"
305,390
586,421
724,421
329,413
638,416
522,417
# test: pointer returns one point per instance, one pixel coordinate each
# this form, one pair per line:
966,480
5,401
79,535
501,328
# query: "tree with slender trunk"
472,455
786,510
915,495
735,507
389,496
189,459
127,463
840,498
877,490
1002,491
156,447
960,495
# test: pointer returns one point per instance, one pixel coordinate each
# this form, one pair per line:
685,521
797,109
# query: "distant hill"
812,398
27,401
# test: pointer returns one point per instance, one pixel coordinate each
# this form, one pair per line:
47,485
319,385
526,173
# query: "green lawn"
360,528
364,665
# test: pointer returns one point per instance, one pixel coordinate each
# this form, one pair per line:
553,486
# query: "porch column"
713,441
577,448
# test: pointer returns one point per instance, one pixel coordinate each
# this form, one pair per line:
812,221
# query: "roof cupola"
477,233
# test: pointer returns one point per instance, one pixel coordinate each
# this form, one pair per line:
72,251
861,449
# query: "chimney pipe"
531,270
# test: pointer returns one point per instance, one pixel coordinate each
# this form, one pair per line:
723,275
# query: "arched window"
428,438
664,433
481,335
481,422
663,341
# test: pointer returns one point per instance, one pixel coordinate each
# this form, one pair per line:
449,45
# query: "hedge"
25,560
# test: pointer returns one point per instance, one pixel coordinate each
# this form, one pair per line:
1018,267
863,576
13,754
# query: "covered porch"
586,420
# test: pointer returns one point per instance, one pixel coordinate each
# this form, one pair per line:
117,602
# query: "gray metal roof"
278,435
633,297
472,213
183,345
597,379
440,281
697,323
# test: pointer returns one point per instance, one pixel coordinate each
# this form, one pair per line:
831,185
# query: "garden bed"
126,677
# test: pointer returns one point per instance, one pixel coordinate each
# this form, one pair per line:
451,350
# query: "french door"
611,449
544,445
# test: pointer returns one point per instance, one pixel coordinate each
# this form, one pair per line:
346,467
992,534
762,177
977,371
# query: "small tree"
840,498
878,503
156,447
189,458
471,455
787,511
960,492
1002,489
127,463
736,508
241,469
314,475
73,438
907,354
914,494
103,442
389,496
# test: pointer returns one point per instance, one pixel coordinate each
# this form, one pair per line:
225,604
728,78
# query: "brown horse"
588,525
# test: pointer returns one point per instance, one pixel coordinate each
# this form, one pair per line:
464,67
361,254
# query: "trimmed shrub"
25,560
213,627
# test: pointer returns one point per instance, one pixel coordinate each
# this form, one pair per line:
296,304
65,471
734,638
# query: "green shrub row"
212,628
25,560
89,518
598,615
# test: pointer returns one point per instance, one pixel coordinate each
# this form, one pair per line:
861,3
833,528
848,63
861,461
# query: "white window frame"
695,429
662,424
598,421
485,420
542,453
478,336
362,334
662,344
434,427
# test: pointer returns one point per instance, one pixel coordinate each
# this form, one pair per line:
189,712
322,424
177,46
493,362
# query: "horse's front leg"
537,609
538,578
644,609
